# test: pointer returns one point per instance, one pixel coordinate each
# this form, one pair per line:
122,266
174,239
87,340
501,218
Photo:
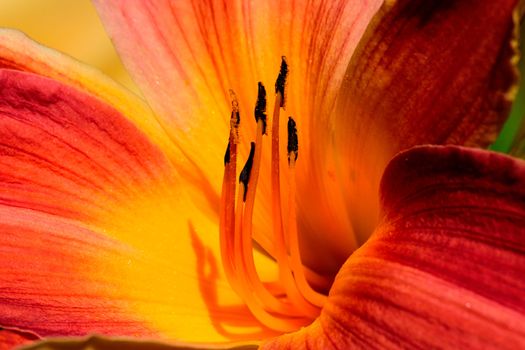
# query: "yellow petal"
80,180
186,55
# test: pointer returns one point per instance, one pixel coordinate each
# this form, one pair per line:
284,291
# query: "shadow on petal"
207,272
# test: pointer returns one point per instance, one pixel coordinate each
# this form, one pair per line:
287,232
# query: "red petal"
67,161
95,234
64,152
59,278
428,72
446,266
18,52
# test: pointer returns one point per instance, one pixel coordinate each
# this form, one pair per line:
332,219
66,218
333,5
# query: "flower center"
289,303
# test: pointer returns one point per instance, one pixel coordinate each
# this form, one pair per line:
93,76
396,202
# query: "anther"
293,143
235,102
244,177
227,154
260,106
281,80
235,118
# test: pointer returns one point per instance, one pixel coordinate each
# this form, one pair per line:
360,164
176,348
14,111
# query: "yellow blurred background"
70,26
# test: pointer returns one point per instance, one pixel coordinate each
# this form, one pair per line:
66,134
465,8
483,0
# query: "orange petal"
186,55
95,234
425,73
445,267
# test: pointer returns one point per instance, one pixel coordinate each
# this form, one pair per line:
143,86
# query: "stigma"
290,302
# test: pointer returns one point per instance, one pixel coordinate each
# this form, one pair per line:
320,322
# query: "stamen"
265,296
289,303
227,154
297,266
260,107
293,142
227,215
235,118
251,291
285,273
280,83
247,171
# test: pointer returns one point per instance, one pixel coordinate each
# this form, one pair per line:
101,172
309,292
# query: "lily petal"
95,234
19,52
425,73
445,267
66,161
186,55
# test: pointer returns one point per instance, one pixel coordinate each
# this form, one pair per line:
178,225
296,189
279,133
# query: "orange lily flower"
129,222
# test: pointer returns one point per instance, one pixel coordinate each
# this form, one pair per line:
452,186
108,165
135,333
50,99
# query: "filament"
290,302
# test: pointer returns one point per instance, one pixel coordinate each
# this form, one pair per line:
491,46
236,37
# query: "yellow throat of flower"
290,302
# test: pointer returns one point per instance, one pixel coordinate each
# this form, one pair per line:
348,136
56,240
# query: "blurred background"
72,26
512,137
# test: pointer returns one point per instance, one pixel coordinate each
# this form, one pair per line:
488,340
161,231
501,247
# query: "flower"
110,213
